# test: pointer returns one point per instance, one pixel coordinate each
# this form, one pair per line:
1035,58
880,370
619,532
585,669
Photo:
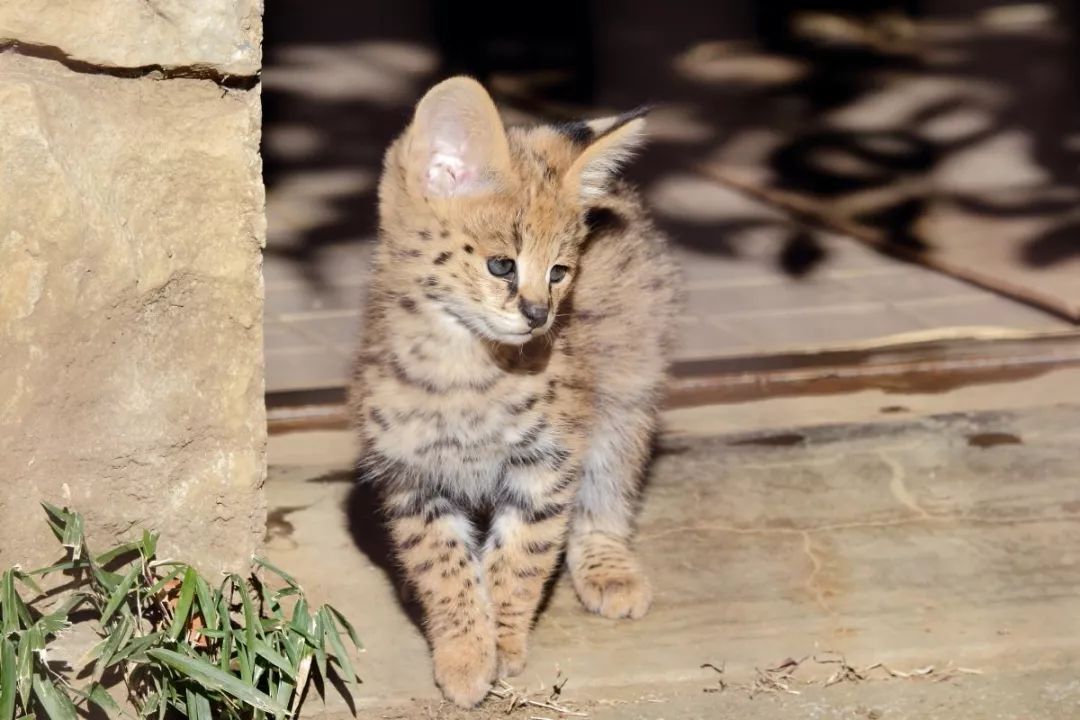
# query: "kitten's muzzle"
536,314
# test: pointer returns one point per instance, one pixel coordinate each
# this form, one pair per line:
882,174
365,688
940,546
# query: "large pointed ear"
457,144
611,142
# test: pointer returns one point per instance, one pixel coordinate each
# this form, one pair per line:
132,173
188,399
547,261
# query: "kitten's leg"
607,575
435,544
522,551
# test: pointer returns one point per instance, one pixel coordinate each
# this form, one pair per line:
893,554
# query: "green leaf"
198,706
207,606
247,670
301,618
9,604
120,593
63,565
183,605
318,645
58,619
271,625
73,535
150,704
57,519
252,627
28,582
30,643
93,654
118,637
263,562
214,679
340,656
154,700
58,706
268,653
347,625
136,649
291,644
110,555
269,600
284,692
100,697
106,580
149,545
225,659
252,631
212,634
8,689
165,580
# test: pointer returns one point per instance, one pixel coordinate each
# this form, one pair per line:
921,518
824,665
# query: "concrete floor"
945,535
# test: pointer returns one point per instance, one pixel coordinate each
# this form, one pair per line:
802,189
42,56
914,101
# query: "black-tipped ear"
609,143
583,132
600,220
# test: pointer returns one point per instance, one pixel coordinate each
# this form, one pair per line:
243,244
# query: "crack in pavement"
899,489
154,71
816,565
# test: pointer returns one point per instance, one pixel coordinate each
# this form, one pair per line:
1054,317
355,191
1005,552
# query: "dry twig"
518,700
721,683
776,679
781,678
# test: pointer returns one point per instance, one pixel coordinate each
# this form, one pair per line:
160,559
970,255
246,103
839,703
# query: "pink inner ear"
449,172
446,172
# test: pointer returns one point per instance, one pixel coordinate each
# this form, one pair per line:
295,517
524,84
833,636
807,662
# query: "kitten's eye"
500,266
558,272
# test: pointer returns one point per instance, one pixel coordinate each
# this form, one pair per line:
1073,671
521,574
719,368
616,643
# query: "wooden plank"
930,366
986,252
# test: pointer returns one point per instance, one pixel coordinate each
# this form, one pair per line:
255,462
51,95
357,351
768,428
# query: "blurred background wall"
831,172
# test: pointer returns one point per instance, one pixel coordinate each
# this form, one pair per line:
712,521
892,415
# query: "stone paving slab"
923,541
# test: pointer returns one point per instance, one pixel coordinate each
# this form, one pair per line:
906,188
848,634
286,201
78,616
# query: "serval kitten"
512,362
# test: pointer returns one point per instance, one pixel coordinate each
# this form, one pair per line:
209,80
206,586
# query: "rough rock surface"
222,35
131,374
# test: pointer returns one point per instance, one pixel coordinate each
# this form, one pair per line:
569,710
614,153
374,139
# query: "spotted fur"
463,408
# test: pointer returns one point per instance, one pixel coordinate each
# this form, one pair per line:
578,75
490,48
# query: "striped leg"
607,575
435,544
522,552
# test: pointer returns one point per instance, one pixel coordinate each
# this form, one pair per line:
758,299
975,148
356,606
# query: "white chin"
515,338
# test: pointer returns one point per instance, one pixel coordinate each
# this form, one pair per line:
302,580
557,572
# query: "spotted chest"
466,439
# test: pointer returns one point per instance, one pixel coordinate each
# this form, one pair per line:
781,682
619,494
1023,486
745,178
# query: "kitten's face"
513,263
500,218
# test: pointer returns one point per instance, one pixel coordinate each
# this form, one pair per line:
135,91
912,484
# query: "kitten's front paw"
614,593
512,655
465,668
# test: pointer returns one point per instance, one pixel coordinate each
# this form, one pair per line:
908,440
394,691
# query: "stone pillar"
131,235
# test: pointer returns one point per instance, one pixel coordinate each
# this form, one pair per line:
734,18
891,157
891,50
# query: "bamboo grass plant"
176,644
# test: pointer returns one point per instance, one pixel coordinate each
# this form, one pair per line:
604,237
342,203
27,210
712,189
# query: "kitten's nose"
535,313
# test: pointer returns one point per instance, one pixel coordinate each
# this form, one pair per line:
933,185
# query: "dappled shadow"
882,117
339,84
371,535
944,113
